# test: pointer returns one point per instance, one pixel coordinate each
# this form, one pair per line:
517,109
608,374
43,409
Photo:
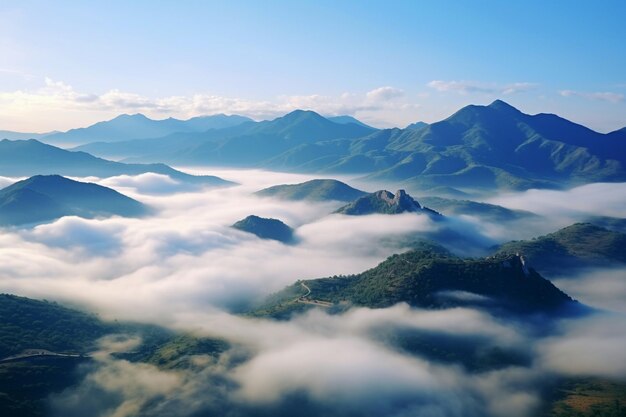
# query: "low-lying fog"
185,268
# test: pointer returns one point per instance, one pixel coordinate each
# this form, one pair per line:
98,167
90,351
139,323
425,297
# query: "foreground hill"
136,126
34,325
265,228
31,157
429,279
43,198
384,202
314,190
576,246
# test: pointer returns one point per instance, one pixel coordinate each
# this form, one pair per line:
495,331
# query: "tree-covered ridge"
429,279
31,324
578,245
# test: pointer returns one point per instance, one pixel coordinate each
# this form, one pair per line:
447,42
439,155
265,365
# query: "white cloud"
384,93
602,96
58,106
468,87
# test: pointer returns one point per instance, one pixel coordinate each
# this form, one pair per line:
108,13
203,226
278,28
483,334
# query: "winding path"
305,300
39,353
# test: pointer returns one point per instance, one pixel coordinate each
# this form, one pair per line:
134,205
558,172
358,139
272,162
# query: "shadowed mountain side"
580,245
314,190
43,198
31,157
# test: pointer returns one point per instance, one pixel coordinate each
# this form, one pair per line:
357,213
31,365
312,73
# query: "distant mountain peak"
136,116
501,105
416,125
299,113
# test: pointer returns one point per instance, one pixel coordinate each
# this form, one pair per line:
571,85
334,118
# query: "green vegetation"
24,386
429,279
179,351
314,190
575,246
588,397
32,324
272,229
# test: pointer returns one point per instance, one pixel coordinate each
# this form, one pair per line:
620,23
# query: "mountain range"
45,198
137,126
478,147
248,144
31,157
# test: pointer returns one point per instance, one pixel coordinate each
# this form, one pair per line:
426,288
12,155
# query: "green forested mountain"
314,190
48,197
575,246
429,279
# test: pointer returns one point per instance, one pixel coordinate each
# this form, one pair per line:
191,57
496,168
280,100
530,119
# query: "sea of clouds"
185,268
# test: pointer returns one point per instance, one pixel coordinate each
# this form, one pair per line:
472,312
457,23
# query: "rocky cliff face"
385,202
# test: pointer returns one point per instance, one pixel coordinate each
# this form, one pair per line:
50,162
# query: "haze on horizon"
68,65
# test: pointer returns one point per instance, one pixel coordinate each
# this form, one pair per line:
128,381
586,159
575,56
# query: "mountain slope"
314,190
347,119
126,127
31,157
43,198
499,146
577,246
265,228
384,202
486,211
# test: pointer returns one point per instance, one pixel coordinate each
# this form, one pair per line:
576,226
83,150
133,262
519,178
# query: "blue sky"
68,63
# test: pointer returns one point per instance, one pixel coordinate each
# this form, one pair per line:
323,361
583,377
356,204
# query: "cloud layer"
185,268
